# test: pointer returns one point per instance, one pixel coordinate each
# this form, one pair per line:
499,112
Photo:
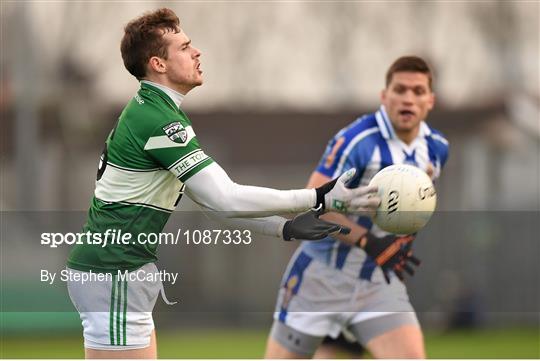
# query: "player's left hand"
336,196
391,253
308,226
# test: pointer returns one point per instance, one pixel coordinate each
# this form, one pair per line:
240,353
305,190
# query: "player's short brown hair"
143,39
413,64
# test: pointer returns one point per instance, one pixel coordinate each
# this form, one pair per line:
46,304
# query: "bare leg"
325,352
402,342
149,352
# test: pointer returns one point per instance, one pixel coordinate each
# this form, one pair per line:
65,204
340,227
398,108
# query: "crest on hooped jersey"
176,132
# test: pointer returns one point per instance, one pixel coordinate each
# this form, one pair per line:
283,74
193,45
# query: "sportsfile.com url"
119,237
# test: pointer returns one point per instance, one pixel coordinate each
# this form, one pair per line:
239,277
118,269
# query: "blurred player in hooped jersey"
353,283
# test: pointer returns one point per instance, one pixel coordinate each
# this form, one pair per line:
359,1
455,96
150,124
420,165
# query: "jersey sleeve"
343,152
175,147
332,156
439,147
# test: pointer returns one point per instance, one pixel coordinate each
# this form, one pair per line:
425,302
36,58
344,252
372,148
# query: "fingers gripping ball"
408,199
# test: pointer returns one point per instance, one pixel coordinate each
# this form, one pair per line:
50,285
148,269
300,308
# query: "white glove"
337,197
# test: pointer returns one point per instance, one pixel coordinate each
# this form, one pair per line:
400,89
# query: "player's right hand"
308,226
391,253
335,196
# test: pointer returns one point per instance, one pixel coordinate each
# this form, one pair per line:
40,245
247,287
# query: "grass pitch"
232,343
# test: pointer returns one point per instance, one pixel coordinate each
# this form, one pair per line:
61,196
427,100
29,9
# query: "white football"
408,199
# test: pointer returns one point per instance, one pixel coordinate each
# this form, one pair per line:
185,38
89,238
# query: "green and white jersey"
148,156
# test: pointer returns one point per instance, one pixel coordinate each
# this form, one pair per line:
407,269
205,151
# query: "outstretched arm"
213,189
305,226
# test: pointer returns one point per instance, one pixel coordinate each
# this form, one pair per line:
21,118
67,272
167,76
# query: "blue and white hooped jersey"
370,144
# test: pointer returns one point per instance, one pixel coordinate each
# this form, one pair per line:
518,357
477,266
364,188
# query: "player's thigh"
403,342
396,335
387,324
149,352
285,342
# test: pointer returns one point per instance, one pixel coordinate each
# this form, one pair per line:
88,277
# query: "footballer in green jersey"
151,157
149,154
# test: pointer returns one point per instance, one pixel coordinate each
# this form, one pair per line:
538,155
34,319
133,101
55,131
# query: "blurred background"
280,80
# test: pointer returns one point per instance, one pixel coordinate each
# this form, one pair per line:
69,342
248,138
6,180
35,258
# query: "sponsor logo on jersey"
176,132
189,162
138,99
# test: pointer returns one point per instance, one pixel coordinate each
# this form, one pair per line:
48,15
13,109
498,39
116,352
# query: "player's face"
183,64
408,100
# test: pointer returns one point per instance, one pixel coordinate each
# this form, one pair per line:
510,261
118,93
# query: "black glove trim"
322,191
287,231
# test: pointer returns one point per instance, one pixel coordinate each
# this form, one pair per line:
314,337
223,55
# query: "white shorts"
116,314
320,300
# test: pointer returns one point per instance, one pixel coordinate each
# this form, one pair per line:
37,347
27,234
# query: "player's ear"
431,102
383,95
156,64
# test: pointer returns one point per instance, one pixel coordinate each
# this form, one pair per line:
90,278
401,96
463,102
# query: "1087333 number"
217,236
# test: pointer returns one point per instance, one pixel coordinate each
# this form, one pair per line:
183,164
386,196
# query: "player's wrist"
362,241
286,231
280,228
321,192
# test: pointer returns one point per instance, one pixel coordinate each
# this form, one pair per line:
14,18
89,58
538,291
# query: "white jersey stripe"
380,123
146,206
439,138
132,169
373,167
163,141
351,145
387,123
159,188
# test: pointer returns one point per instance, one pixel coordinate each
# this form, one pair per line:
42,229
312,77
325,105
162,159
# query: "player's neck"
164,81
175,96
408,136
